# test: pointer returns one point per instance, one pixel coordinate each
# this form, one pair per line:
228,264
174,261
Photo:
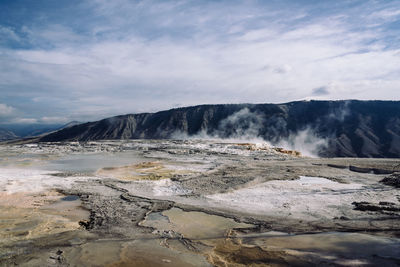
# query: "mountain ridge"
349,128
6,135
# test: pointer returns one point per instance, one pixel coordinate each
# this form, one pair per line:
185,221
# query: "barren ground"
193,203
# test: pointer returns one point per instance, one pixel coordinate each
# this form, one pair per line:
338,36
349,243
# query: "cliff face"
339,128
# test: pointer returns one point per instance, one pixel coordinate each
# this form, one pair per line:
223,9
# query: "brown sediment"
289,152
150,253
25,216
230,253
253,147
225,242
215,233
23,224
140,252
247,146
152,170
28,200
188,233
195,224
222,246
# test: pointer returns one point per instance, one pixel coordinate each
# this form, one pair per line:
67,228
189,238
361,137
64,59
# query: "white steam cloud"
305,141
246,126
242,125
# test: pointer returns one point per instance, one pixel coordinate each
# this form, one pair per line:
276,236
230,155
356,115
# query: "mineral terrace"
194,203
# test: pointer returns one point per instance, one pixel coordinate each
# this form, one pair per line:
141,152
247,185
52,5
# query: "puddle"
132,253
325,249
18,224
193,224
150,170
345,244
70,198
70,209
17,159
205,230
228,244
344,249
90,163
156,220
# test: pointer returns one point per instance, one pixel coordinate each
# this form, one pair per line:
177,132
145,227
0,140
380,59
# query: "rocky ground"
194,203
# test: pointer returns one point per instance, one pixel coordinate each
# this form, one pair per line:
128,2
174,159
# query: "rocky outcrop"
393,180
381,207
341,128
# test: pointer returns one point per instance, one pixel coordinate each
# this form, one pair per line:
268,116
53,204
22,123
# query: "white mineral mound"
305,198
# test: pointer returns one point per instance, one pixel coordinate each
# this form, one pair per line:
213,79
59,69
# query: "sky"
89,59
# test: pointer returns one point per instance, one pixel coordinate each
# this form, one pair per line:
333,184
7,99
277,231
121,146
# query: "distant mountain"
7,135
17,131
29,130
327,128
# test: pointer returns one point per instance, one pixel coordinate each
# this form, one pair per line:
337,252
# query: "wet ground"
193,203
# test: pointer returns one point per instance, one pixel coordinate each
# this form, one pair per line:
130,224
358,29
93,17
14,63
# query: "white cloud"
151,55
54,120
388,14
6,110
6,33
24,120
50,57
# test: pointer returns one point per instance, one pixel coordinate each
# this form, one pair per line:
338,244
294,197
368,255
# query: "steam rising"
305,141
242,125
247,126
341,113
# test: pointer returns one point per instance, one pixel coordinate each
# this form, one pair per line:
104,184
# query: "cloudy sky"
89,59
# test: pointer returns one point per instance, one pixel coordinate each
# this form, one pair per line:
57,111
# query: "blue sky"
85,60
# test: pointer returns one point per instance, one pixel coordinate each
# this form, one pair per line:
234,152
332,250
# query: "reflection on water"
22,160
181,238
336,247
147,252
231,243
192,224
89,163
82,163
70,198
38,219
